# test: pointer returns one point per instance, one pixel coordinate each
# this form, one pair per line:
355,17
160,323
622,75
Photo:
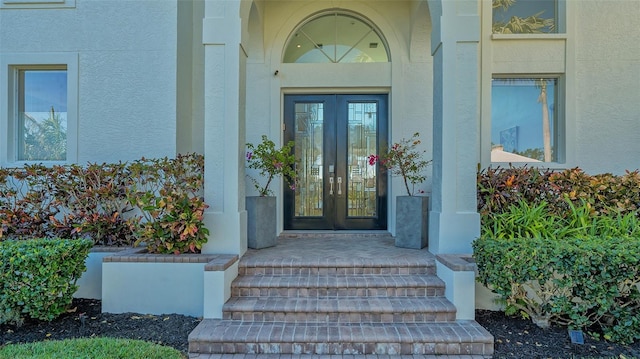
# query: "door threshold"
295,233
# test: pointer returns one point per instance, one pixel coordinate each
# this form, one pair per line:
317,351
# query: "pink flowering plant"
271,162
404,159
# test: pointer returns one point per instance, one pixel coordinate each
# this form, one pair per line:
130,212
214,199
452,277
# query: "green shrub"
157,202
95,203
563,247
586,283
37,277
525,220
522,220
500,188
26,203
168,193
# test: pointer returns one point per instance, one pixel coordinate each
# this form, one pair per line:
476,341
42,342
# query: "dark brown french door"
334,135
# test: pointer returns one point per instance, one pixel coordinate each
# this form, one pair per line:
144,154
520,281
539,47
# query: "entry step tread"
231,337
332,356
339,261
338,281
344,310
389,263
334,270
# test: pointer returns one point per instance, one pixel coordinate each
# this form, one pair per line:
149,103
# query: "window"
39,111
41,130
525,16
524,121
336,38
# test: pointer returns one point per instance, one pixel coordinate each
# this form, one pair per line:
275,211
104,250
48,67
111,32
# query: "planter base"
412,219
261,222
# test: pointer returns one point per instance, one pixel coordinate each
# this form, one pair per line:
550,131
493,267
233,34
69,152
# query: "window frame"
335,12
37,4
560,128
10,65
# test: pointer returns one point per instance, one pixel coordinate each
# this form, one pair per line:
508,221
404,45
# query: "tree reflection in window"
524,121
42,115
524,16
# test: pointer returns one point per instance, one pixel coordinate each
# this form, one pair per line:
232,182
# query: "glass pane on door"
362,141
337,188
309,139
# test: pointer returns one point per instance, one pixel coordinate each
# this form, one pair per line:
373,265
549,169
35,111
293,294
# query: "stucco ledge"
134,280
458,271
458,262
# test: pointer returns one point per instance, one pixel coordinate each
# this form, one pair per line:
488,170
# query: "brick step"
215,336
338,286
346,270
321,356
337,266
343,310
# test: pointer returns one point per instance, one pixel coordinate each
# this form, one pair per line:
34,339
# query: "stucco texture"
127,71
608,86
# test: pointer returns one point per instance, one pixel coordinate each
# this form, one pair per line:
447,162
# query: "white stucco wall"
127,70
607,99
153,288
128,97
598,61
407,78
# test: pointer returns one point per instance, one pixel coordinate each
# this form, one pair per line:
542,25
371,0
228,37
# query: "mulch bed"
86,320
518,338
514,337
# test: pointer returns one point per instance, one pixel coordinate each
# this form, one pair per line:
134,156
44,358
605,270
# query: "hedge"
157,202
500,188
583,283
563,247
38,277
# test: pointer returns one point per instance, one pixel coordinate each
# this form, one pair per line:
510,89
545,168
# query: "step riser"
352,318
343,348
334,296
245,271
337,292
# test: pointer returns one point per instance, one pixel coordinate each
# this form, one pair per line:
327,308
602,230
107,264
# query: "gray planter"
412,221
261,222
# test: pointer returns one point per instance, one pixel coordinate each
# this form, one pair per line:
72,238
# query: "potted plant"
406,160
271,162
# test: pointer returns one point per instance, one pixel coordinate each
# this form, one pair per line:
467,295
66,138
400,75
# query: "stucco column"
224,127
454,222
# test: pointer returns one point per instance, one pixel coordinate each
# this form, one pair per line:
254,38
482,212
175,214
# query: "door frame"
335,217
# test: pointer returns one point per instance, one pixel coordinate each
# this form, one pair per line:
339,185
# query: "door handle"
339,186
331,188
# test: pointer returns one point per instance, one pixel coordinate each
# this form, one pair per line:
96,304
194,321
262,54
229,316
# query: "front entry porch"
338,293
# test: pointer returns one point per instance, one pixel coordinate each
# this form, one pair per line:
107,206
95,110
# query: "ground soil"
518,338
86,320
514,337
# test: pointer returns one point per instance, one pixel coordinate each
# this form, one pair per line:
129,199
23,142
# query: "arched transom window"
336,37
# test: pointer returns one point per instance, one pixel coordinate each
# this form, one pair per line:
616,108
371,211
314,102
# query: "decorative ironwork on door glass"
309,139
362,142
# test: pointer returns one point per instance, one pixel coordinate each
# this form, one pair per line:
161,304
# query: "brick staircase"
354,300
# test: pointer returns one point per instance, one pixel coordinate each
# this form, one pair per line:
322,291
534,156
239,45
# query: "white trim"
37,4
525,37
9,65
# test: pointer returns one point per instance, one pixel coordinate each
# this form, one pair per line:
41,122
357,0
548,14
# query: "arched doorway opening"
335,133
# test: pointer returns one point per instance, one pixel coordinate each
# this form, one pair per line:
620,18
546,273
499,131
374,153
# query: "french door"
337,188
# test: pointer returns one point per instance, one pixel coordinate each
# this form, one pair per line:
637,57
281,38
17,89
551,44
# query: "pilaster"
454,222
224,127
